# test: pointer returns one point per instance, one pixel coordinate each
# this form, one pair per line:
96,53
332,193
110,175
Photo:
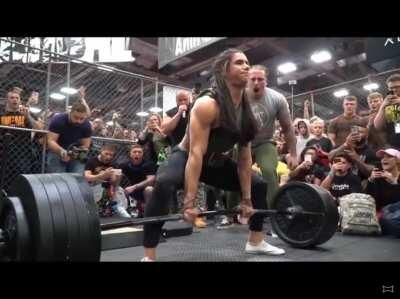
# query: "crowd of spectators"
347,154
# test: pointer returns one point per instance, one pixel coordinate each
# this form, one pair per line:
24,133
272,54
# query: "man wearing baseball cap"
383,186
383,183
341,181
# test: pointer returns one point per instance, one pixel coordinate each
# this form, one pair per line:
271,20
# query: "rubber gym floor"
227,245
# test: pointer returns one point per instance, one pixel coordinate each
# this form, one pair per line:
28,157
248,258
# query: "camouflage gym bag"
358,215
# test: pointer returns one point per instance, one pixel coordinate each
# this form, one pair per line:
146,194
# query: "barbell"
54,217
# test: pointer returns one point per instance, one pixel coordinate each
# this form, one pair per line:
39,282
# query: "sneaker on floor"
200,223
264,248
146,259
225,223
121,212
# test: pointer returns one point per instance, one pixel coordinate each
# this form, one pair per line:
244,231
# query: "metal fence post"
45,120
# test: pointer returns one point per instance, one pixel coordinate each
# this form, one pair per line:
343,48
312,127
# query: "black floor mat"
210,244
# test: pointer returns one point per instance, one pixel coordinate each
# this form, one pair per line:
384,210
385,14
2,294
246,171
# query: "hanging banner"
172,48
91,49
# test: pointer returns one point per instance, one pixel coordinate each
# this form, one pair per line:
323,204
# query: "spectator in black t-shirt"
383,184
175,121
65,130
319,140
309,170
15,145
104,179
141,175
356,146
341,181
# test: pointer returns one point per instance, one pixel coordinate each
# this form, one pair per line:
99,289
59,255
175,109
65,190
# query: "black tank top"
220,139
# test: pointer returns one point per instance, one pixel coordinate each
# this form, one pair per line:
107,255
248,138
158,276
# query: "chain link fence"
115,97
325,105
23,151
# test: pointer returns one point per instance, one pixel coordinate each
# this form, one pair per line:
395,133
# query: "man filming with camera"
69,140
104,178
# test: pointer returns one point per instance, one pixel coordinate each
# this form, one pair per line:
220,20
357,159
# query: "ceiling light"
321,56
34,110
341,93
142,114
341,62
69,90
287,67
57,96
371,86
204,73
155,109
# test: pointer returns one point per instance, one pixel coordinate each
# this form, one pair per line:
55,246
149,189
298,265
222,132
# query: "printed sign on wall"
172,48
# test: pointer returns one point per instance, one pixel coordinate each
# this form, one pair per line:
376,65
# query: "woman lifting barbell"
220,118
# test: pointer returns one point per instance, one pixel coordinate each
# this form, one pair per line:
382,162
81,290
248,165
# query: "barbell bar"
177,217
53,217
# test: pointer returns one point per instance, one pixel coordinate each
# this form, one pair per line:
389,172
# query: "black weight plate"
301,230
38,213
60,228
23,241
14,222
92,208
90,249
332,217
72,222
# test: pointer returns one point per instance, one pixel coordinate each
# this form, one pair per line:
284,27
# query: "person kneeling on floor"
384,187
104,180
141,174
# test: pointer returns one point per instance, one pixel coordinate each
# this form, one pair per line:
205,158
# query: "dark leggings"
171,176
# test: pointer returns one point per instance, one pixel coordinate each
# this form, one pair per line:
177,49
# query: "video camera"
78,153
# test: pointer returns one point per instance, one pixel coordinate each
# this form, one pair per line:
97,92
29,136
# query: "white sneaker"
146,259
121,212
264,248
